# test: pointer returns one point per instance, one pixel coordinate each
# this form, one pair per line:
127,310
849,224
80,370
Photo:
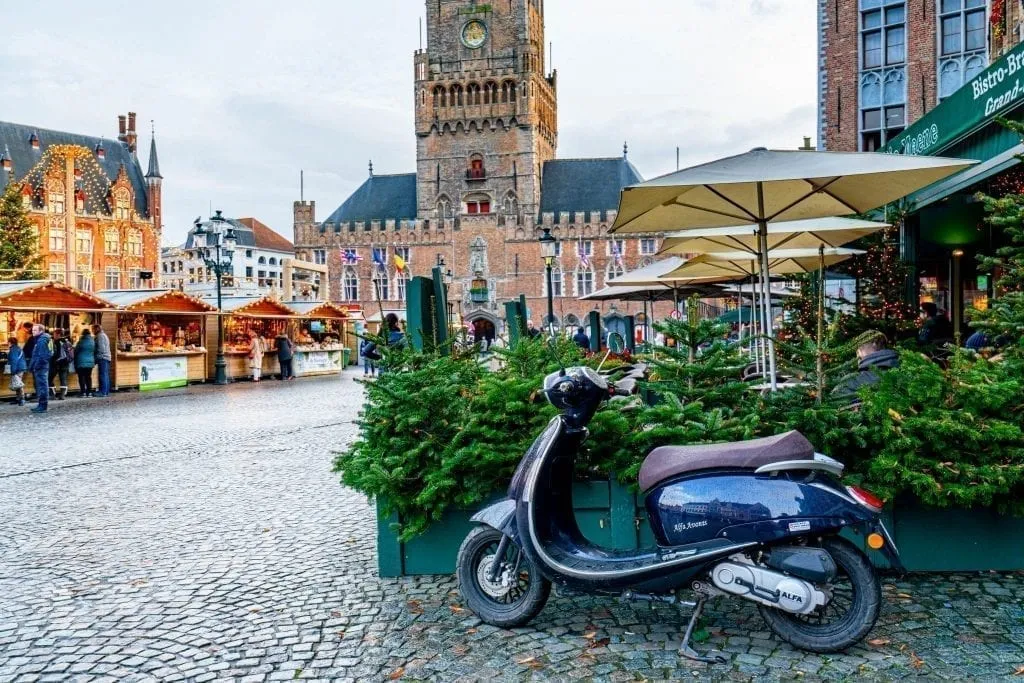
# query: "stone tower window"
456,99
444,207
476,169
440,97
490,92
478,203
472,94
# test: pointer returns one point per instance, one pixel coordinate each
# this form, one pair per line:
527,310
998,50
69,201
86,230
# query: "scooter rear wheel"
518,595
848,616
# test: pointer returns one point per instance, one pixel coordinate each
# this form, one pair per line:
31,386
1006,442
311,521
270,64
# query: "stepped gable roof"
585,184
16,138
264,237
380,198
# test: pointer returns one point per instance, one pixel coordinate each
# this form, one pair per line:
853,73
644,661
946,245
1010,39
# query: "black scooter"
757,519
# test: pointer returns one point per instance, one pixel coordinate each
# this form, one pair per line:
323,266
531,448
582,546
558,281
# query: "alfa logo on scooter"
686,526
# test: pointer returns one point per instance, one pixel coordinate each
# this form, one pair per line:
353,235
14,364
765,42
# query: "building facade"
97,214
487,183
259,256
883,64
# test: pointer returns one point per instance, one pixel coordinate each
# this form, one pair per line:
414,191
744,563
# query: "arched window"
262,260
456,95
508,92
444,207
112,242
613,271
584,280
490,92
510,206
477,203
272,261
350,285
557,282
402,285
55,198
122,201
476,167
473,94
440,97
381,284
572,321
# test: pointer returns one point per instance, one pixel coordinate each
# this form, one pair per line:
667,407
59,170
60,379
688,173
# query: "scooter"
759,520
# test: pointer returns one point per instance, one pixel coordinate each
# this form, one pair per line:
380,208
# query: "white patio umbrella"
807,234
763,186
743,264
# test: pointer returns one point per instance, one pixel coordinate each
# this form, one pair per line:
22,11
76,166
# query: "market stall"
51,304
243,316
158,338
320,347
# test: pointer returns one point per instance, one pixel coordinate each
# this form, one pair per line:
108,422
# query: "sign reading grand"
994,91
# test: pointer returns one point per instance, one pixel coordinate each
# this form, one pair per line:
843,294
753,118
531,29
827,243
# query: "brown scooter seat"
671,461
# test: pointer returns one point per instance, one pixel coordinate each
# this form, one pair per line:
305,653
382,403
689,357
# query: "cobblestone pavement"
199,535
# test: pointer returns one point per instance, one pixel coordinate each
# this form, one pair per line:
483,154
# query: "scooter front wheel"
856,597
515,596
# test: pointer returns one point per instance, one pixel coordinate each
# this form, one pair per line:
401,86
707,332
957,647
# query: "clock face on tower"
474,33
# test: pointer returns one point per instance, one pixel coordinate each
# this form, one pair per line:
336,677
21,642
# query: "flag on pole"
399,263
617,253
350,257
584,259
380,257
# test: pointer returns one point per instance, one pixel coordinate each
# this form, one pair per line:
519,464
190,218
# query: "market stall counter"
320,342
244,316
51,304
158,337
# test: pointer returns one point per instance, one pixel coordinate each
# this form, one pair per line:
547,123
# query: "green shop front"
945,229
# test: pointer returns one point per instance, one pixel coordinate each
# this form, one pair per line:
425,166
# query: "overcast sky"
247,92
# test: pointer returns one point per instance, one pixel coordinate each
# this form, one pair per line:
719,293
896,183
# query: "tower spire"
154,163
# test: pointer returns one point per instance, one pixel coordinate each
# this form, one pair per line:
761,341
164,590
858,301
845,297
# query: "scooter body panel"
744,506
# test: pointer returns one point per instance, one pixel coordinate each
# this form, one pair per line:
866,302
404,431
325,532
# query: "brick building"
883,64
486,183
97,215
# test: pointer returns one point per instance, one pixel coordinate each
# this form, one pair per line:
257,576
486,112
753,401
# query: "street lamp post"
219,260
548,246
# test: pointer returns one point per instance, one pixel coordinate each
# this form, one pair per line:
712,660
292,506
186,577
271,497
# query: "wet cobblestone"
199,535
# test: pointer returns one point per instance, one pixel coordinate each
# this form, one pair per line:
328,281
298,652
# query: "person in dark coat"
935,327
28,343
285,355
873,358
39,366
63,355
581,339
16,359
85,361
396,339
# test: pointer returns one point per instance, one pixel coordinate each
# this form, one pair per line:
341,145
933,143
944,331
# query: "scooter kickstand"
713,657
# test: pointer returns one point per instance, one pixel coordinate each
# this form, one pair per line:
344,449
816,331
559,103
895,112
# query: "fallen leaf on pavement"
341,634
904,596
1019,671
879,642
916,661
397,673
460,650
600,643
414,606
456,609
590,635
470,630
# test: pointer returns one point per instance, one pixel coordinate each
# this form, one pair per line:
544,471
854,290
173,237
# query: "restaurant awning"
156,301
47,295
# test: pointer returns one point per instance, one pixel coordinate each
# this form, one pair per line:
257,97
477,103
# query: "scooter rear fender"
500,516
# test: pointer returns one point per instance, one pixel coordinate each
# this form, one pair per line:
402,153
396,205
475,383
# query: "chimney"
131,137
121,122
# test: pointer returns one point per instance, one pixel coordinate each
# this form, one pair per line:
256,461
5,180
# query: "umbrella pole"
766,302
819,355
646,323
755,327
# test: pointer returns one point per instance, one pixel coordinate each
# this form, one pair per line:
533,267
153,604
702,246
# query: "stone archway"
483,323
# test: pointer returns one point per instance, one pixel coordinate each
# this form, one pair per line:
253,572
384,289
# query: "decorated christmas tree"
19,249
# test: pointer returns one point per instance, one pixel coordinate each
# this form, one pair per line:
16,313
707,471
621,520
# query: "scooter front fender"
500,516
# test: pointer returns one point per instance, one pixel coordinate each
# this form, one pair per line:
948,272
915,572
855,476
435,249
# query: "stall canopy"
46,295
257,307
156,301
318,309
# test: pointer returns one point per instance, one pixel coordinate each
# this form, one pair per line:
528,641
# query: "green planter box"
930,540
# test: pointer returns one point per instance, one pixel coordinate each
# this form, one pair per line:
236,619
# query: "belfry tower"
486,111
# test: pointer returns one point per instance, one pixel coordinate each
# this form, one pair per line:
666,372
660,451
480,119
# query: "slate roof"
249,234
380,198
14,137
585,184
154,162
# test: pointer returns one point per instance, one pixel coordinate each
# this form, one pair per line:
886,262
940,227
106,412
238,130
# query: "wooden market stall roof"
47,295
256,307
319,309
156,301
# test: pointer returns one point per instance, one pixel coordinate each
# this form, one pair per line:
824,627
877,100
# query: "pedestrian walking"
39,366
368,352
256,350
28,342
103,358
85,361
285,354
396,338
16,359
63,357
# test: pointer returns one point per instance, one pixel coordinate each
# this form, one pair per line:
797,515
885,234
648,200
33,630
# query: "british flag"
617,253
582,253
350,256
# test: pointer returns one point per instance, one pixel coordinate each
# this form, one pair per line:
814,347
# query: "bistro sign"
994,91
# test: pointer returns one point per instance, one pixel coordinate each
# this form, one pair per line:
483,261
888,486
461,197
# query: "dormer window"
121,205
100,152
34,141
55,199
5,159
79,201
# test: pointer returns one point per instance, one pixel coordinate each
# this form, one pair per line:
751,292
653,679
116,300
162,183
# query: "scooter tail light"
866,498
